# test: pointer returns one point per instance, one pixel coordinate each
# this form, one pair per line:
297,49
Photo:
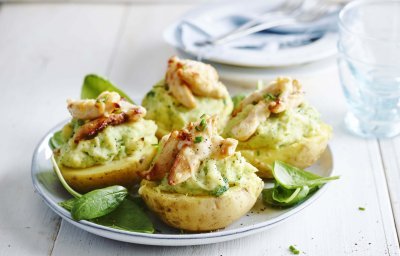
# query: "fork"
300,16
287,8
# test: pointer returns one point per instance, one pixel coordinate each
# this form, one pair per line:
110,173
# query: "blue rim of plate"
224,234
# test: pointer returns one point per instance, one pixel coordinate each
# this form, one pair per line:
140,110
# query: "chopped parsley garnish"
203,115
198,139
294,250
201,126
219,190
361,208
269,96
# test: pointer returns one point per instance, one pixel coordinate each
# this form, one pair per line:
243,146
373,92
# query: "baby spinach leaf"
292,186
94,85
291,177
283,195
68,204
57,140
128,216
269,200
98,202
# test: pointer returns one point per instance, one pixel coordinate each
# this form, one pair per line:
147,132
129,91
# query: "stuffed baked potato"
198,182
107,143
189,90
275,123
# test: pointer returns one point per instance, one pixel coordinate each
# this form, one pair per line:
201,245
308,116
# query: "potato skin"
124,172
301,154
200,213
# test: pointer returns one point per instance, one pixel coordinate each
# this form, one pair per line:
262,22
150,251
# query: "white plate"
319,49
50,189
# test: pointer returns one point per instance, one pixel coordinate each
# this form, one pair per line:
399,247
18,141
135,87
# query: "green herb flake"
361,208
270,96
293,250
201,126
219,190
203,116
198,139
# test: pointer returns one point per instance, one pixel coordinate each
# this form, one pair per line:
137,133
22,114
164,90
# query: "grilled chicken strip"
90,129
178,88
186,78
184,151
90,109
108,109
282,94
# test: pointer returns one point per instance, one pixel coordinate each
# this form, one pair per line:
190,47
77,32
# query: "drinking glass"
369,66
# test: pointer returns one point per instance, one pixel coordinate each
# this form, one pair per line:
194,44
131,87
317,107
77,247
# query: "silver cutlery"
296,15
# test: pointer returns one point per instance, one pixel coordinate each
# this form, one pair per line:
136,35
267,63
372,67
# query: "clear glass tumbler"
369,66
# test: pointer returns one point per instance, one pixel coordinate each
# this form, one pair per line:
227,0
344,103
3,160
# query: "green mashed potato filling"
282,129
113,143
296,136
170,115
216,176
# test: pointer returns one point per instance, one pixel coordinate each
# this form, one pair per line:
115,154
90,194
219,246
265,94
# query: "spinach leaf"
290,196
292,186
68,204
272,196
268,199
57,140
94,85
291,177
98,202
128,216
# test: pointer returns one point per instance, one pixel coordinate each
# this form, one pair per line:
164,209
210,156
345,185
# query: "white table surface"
45,51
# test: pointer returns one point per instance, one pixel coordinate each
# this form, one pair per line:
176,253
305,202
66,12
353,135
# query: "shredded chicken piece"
184,150
164,163
179,89
90,129
90,109
245,129
280,95
186,78
108,109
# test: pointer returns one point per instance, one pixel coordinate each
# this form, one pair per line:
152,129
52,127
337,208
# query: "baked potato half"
124,172
301,154
200,212
197,181
276,123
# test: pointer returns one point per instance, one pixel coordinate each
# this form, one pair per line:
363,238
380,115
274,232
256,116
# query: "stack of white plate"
257,56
